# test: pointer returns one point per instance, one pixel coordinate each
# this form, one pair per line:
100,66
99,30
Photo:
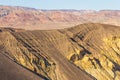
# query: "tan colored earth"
53,48
84,52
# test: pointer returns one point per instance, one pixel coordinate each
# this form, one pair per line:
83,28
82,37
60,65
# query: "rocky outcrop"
9,70
100,54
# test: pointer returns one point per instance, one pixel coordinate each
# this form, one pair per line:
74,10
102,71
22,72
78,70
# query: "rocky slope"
29,18
84,52
9,70
100,51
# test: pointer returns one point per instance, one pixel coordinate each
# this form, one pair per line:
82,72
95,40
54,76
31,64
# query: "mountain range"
30,18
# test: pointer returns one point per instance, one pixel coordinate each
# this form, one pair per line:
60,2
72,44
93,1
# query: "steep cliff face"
84,52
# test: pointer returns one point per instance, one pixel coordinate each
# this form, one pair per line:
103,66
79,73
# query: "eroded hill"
84,52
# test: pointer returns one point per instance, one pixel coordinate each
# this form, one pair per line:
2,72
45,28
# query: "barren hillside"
84,52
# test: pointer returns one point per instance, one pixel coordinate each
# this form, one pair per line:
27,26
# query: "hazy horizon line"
70,9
